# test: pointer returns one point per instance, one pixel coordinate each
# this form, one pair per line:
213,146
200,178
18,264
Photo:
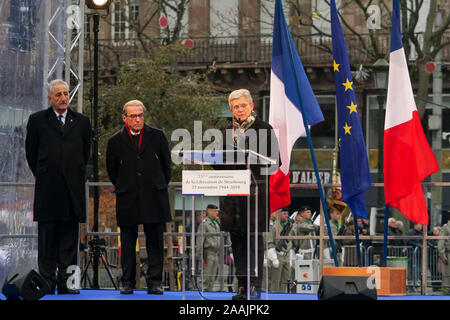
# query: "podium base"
389,281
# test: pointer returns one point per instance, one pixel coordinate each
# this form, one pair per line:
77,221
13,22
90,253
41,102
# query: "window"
224,19
171,12
320,14
267,13
125,14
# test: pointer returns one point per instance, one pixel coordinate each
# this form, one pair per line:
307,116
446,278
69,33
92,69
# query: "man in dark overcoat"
57,149
139,165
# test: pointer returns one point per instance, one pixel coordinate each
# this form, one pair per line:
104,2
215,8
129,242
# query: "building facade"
233,40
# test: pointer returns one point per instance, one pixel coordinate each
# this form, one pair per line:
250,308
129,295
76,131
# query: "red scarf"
131,135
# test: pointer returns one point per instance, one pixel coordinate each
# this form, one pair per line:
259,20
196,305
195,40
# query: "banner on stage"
216,183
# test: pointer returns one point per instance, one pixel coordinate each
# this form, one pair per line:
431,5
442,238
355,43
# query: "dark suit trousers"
239,246
154,243
57,250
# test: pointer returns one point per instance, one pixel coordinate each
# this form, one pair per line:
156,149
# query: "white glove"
272,256
292,256
275,263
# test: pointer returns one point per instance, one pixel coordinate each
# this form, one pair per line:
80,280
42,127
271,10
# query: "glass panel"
217,251
22,57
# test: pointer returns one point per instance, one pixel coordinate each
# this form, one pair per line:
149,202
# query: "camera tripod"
99,252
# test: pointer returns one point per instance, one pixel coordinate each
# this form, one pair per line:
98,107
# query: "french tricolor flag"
408,158
289,88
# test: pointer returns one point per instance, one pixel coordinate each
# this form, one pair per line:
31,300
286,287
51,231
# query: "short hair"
236,94
136,103
304,208
211,206
54,83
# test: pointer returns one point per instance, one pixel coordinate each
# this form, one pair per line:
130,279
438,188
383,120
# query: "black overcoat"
57,156
141,177
234,209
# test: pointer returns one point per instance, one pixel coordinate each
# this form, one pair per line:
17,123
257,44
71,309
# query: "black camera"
97,243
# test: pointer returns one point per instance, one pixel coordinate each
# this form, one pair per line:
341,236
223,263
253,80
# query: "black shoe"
126,290
68,291
154,289
241,294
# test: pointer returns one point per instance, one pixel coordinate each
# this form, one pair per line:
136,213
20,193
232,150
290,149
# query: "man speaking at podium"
248,132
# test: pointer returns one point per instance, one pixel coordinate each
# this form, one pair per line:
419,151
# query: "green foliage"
173,99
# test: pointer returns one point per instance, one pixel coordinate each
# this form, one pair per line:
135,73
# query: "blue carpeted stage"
104,294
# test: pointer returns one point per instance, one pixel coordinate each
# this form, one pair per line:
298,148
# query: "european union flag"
355,174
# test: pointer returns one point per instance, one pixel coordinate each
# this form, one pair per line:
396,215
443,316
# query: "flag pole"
386,219
358,248
316,170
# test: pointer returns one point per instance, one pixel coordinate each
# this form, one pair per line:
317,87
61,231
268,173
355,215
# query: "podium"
240,178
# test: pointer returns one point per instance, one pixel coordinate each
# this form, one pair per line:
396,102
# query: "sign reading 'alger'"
216,183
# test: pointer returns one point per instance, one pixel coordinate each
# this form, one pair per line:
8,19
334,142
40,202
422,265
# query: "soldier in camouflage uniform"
208,246
304,228
280,271
444,255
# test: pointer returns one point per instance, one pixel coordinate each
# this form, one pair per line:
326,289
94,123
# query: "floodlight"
98,4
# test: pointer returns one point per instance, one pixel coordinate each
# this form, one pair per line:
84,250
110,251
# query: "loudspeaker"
25,284
345,288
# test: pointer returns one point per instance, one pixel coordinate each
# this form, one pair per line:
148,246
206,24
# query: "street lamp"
381,73
97,5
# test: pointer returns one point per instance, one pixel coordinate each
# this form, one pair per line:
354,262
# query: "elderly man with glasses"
139,166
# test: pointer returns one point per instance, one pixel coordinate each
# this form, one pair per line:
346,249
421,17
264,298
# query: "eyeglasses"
135,116
242,106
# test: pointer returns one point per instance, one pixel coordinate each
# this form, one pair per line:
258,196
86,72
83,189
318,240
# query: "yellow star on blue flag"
348,84
352,107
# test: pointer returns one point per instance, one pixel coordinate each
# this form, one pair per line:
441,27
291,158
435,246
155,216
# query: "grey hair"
236,94
54,83
134,103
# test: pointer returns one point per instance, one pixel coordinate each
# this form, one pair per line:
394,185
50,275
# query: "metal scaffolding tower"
64,44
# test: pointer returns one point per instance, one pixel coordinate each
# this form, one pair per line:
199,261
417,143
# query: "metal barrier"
414,264
224,271
415,277
349,256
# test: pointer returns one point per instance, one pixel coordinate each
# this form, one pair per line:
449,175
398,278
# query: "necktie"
61,122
